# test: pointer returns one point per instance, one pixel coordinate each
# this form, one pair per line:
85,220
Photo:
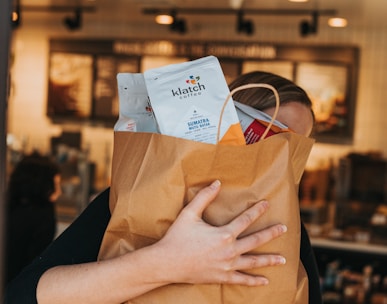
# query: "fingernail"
282,260
284,228
215,184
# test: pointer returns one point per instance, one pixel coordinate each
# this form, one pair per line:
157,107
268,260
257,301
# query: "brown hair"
262,98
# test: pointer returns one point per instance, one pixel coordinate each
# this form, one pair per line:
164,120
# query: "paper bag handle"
249,86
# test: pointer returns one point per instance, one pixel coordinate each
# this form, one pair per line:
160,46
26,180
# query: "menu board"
326,85
82,79
69,85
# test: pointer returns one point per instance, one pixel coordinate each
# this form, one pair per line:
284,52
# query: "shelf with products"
77,185
351,272
77,175
344,209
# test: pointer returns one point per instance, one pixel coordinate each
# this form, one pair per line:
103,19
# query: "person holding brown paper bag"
191,251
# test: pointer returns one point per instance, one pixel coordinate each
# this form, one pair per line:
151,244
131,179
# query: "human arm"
191,252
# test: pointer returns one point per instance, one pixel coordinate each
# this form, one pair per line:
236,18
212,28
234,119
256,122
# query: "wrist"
154,265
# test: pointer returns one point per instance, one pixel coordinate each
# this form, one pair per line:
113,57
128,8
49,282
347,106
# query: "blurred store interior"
69,52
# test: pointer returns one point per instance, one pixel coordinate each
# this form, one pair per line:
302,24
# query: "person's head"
34,180
295,106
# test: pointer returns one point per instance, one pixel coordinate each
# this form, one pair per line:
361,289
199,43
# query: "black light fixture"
178,25
309,27
244,26
16,15
74,22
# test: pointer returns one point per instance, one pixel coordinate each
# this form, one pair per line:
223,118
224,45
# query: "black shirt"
81,241
30,229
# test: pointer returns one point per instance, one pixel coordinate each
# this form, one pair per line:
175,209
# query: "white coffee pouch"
135,113
187,100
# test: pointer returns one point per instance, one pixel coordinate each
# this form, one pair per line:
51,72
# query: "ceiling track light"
244,26
178,25
337,22
164,19
309,27
74,22
226,11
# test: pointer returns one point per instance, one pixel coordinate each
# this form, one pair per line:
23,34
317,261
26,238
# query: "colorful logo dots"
192,79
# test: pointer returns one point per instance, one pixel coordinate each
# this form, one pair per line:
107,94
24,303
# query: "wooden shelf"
349,246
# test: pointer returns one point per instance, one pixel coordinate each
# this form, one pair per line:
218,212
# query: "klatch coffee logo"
192,79
194,88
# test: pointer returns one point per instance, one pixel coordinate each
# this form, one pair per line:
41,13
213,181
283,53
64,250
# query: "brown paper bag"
148,166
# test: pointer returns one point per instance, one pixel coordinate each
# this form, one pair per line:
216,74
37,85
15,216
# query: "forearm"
111,281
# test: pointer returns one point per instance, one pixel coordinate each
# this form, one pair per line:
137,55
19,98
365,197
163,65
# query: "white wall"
27,118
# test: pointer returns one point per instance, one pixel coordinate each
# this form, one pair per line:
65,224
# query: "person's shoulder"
99,205
101,197
103,193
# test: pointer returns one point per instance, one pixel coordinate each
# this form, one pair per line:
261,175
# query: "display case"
344,208
361,196
77,175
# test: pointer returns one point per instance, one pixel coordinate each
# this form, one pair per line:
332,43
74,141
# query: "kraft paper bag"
154,176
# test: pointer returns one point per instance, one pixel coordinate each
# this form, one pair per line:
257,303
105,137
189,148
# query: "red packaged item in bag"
254,123
255,130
